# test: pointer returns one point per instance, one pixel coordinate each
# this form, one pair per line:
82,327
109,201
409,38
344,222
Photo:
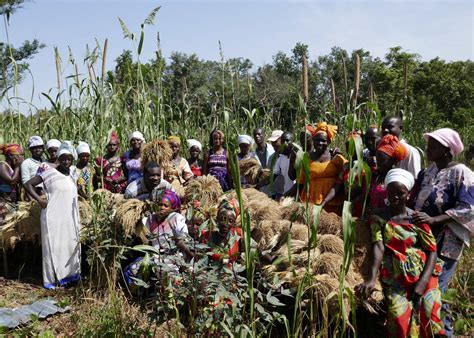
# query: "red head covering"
114,137
392,146
231,205
11,149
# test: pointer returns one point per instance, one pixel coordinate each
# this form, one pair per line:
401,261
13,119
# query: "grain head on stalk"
205,189
158,151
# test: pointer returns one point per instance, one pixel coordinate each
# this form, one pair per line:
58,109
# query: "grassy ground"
110,312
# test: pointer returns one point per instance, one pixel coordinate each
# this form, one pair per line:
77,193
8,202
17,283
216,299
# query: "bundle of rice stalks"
86,212
178,188
299,232
329,223
270,234
228,195
128,218
250,168
254,194
328,263
325,292
110,199
331,243
264,209
205,189
160,152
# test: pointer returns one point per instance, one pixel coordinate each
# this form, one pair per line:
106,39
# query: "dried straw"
160,152
129,216
205,189
328,263
331,243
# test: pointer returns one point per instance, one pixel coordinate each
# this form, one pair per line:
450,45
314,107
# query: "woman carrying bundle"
325,181
195,163
389,152
10,176
109,168
59,219
132,158
216,161
405,254
180,170
444,199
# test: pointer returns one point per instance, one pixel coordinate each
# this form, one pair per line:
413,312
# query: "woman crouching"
167,232
406,256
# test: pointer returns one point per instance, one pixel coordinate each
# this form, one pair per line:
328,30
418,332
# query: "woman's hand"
422,217
365,289
420,287
43,202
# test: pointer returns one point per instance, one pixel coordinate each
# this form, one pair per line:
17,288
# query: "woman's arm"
365,289
205,160
30,188
6,177
420,286
421,217
291,167
337,187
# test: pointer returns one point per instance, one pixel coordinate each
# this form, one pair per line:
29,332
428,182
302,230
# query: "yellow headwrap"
175,139
329,129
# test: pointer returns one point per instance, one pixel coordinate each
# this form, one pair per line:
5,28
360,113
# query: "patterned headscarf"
231,205
328,129
114,137
391,146
11,149
310,130
174,138
160,194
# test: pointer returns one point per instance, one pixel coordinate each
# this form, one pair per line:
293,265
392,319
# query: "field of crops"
308,290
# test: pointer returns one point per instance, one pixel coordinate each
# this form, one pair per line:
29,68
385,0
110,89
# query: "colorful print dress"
406,247
112,169
84,180
217,165
449,191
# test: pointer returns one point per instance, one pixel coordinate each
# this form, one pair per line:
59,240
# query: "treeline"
428,94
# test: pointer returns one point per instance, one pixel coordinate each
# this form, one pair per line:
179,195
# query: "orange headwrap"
329,129
11,149
392,146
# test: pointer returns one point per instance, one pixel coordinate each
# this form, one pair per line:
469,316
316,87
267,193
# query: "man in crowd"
141,189
264,150
393,125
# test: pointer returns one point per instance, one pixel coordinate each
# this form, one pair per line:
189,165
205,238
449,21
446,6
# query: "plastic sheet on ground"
11,318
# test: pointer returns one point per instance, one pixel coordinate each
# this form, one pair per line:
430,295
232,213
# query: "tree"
13,63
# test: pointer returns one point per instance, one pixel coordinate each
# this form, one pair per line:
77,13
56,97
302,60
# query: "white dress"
60,230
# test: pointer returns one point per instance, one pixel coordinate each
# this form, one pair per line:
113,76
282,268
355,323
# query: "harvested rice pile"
205,189
128,218
273,224
253,171
110,199
160,152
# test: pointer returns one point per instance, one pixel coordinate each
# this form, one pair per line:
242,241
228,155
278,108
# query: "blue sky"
251,29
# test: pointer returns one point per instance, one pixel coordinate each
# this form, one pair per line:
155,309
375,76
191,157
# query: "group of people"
420,218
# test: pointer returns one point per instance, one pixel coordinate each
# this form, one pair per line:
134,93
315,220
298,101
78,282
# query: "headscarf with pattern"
328,129
11,149
391,146
231,205
169,195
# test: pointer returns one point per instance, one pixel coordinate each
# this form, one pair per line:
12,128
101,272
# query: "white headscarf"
35,141
83,147
194,143
67,148
245,139
53,143
137,135
402,176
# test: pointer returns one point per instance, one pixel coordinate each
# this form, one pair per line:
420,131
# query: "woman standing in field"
85,172
52,150
109,168
216,162
389,152
59,220
180,171
132,158
325,186
405,253
444,199
195,163
10,176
